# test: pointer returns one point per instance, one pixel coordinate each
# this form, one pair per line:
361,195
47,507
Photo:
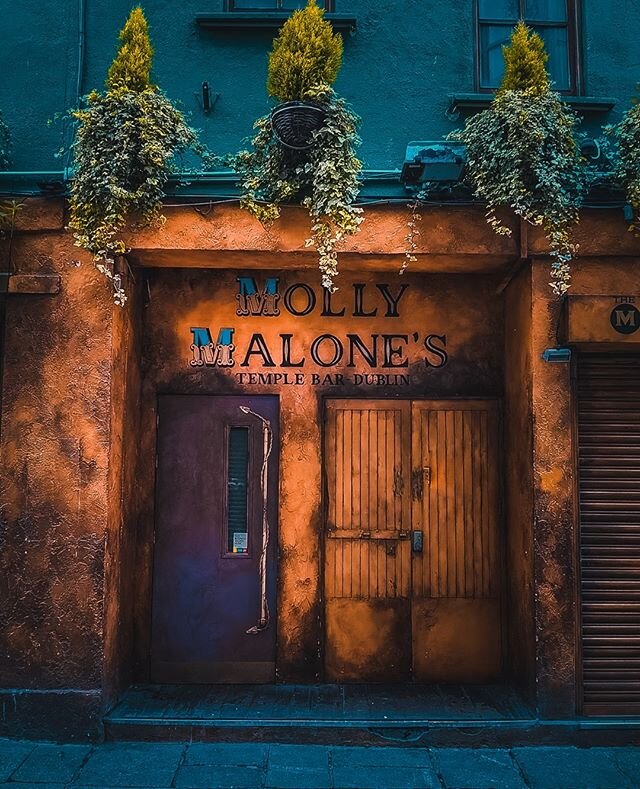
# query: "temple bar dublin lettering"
352,355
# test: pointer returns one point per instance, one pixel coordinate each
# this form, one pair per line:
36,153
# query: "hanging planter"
294,123
304,151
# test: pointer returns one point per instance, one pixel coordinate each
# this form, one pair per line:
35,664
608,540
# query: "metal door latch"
416,541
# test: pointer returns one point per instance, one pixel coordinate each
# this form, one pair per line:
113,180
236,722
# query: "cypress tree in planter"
522,152
627,158
304,150
124,153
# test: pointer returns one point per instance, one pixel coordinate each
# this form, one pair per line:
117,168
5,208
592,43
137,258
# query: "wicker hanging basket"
295,121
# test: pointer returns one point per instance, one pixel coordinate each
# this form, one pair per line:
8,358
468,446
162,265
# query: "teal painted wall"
404,59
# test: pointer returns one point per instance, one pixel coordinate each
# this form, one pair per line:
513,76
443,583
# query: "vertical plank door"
457,577
367,577
209,540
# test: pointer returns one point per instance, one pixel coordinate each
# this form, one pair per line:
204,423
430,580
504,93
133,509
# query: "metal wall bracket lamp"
206,99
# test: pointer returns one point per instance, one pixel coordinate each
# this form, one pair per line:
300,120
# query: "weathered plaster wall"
466,310
554,479
518,482
123,495
63,386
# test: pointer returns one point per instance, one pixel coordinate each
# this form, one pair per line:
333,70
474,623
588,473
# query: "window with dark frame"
273,5
237,541
553,20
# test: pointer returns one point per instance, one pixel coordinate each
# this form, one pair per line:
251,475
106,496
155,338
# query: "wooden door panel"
457,578
206,580
367,550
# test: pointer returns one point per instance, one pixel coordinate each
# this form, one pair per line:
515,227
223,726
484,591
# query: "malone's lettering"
286,352
326,344
258,347
206,353
435,345
393,352
370,355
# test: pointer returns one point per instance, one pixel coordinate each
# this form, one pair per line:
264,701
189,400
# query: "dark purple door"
215,552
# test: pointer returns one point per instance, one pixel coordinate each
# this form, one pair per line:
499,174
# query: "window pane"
557,45
251,5
499,9
546,10
492,39
237,527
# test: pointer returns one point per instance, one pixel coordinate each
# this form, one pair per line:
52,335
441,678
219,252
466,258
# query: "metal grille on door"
412,564
609,485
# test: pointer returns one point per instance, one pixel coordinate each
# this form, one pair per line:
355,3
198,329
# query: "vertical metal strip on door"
608,405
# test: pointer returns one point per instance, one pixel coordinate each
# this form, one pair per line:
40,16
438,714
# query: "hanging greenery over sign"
323,177
522,153
128,137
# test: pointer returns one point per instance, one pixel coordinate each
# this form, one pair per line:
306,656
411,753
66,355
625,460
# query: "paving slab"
298,778
384,778
52,763
232,754
12,754
14,785
628,761
571,768
132,765
315,756
354,756
477,768
219,777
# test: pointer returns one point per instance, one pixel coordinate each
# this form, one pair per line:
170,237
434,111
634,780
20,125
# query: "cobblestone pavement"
261,766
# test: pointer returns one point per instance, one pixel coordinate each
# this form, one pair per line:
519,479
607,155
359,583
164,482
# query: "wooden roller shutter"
609,486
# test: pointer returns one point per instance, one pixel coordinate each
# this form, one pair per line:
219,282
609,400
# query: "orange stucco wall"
78,431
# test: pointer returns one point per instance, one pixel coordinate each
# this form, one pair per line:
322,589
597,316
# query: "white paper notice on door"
240,542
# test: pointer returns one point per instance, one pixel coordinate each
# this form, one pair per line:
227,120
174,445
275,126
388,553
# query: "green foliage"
305,55
132,65
525,62
124,153
325,181
627,136
522,153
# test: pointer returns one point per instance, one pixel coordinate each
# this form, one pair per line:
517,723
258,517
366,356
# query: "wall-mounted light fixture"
206,99
557,355
439,161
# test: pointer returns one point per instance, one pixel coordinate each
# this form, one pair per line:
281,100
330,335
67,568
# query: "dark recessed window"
553,20
237,490
272,5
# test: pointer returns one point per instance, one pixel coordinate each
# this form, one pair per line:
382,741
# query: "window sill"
267,20
480,101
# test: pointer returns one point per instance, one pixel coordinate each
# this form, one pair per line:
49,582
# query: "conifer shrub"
306,54
305,60
522,153
126,146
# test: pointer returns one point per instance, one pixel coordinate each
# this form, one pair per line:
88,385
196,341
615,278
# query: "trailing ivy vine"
522,153
127,140
324,178
627,158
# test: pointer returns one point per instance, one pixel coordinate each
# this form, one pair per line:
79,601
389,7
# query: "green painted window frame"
572,25
230,5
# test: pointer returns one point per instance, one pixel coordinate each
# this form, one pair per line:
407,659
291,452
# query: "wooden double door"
413,558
